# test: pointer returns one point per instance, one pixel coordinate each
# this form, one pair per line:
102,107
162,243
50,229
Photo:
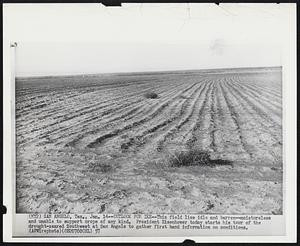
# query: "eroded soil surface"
95,144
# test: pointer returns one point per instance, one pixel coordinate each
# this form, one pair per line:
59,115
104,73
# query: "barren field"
96,144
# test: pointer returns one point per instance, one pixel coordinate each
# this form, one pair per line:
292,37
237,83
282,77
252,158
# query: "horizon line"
141,72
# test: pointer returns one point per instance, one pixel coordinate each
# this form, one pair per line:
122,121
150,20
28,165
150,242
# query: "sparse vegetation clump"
151,95
190,158
194,157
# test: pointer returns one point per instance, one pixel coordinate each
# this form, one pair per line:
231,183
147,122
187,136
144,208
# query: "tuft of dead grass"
151,95
190,158
194,157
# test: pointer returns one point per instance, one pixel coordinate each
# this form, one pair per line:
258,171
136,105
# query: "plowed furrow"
158,109
213,115
229,140
266,112
169,124
236,117
256,130
82,120
171,134
266,90
199,131
93,101
254,94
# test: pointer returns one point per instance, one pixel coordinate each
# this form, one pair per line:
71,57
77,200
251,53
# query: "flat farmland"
96,144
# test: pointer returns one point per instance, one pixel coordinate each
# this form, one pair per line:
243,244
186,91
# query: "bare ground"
95,144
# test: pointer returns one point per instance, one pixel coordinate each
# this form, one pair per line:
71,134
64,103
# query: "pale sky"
88,38
58,59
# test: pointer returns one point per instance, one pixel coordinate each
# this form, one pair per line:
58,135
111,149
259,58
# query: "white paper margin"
12,33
